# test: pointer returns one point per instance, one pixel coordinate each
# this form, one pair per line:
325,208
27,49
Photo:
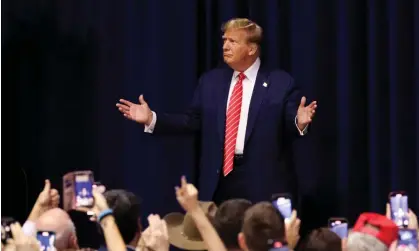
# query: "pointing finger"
293,215
184,182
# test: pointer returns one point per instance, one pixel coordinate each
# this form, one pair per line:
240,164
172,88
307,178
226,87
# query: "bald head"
58,221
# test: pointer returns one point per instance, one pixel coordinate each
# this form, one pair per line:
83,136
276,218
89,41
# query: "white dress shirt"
248,86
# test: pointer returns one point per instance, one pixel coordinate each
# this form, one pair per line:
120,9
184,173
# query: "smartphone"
77,190
339,226
84,189
399,208
46,240
283,202
408,239
6,232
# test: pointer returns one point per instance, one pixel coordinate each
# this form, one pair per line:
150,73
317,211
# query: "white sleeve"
29,228
304,131
150,128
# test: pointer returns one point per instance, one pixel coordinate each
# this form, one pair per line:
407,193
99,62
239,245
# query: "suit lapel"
222,102
259,91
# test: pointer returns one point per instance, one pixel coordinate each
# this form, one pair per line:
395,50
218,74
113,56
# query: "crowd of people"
236,224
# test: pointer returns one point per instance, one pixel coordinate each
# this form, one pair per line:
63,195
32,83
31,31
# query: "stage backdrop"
66,63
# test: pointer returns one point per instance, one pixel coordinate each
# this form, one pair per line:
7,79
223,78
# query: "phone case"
69,193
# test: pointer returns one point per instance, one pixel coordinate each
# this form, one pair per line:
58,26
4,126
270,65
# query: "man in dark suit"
243,114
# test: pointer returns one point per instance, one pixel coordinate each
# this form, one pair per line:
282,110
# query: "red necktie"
232,125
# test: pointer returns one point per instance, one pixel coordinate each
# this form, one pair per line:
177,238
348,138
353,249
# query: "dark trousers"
232,186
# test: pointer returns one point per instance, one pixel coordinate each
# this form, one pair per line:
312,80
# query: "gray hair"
364,242
70,228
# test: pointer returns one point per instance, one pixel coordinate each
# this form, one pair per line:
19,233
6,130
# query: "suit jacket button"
218,171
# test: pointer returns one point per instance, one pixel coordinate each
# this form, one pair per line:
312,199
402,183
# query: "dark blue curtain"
66,63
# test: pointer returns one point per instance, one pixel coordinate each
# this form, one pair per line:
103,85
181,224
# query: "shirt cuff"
304,131
150,128
29,228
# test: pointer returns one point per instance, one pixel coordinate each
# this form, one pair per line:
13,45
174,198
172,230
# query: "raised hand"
156,236
187,195
100,202
20,241
413,220
292,230
140,113
49,197
305,114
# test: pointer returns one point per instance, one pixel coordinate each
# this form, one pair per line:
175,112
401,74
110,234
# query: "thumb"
291,220
141,99
47,186
96,192
293,216
303,102
97,200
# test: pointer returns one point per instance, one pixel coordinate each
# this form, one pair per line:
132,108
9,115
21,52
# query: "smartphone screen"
399,208
46,240
83,188
339,226
408,239
283,203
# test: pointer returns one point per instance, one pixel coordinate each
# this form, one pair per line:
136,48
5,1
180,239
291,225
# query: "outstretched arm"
187,122
187,196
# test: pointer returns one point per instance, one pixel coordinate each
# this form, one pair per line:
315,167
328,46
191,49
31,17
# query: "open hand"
305,114
140,113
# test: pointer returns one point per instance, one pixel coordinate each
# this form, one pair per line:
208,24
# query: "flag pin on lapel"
265,84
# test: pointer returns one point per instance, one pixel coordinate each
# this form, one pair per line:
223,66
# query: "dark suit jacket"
271,122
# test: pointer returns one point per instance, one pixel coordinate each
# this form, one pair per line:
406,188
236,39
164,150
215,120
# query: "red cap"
383,229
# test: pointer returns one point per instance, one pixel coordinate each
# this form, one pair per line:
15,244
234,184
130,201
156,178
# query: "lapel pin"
265,84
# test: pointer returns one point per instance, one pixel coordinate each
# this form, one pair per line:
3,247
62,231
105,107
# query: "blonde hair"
364,242
253,30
